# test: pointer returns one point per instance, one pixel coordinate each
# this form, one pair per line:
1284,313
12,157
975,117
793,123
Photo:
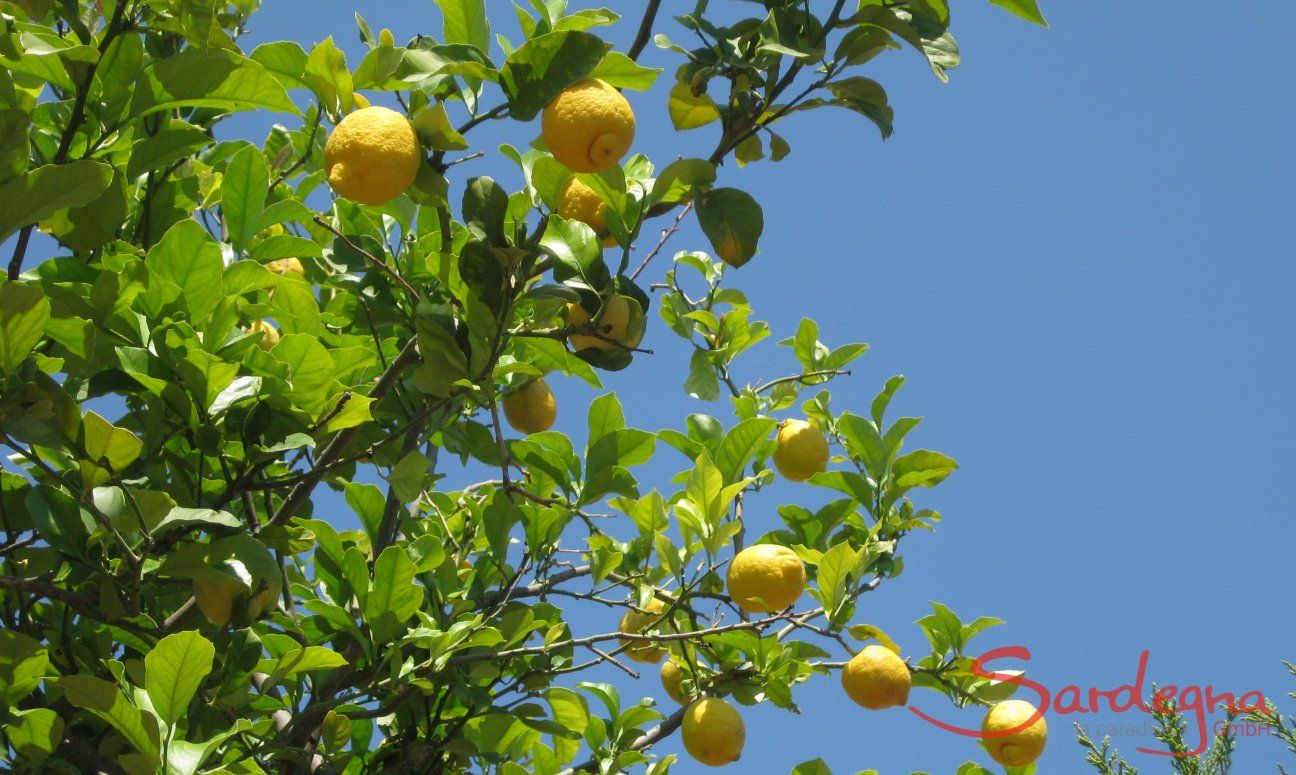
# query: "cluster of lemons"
374,156
767,579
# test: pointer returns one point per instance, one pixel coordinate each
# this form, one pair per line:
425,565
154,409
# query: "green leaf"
605,416
395,595
14,145
688,110
733,222
702,382
466,22
188,257
174,670
24,312
302,659
705,486
623,72
545,65
180,516
34,733
409,475
435,130
812,767
284,60
329,78
23,663
106,701
106,443
209,78
243,195
836,569
36,195
866,97
680,179
740,445
922,468
1026,9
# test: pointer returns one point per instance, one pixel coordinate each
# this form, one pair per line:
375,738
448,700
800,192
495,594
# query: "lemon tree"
249,385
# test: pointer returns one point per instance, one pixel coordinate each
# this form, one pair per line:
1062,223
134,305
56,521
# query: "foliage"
154,432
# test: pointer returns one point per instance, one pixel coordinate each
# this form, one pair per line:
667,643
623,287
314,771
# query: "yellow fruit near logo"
613,326
589,126
579,202
802,450
766,578
671,678
286,266
372,156
713,732
269,334
877,678
1023,744
531,409
636,622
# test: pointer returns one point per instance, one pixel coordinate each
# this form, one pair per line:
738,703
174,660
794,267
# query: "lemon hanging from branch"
589,126
373,156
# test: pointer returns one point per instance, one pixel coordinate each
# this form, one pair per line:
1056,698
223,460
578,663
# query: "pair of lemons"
373,155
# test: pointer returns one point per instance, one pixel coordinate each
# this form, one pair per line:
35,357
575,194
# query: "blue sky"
1076,254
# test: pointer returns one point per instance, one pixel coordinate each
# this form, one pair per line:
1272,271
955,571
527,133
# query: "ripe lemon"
286,266
246,582
372,156
1021,747
613,326
713,732
802,450
766,578
531,409
671,678
637,621
589,126
876,678
579,202
269,334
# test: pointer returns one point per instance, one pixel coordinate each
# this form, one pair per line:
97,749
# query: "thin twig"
645,30
413,294
665,235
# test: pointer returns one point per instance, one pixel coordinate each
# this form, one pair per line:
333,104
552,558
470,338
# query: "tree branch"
645,30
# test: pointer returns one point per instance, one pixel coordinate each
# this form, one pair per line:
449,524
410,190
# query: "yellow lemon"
579,202
372,156
1025,743
613,326
269,334
766,578
589,126
286,266
671,676
713,732
802,450
246,582
638,621
876,678
531,409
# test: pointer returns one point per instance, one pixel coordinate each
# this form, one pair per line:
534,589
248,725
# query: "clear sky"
1078,253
